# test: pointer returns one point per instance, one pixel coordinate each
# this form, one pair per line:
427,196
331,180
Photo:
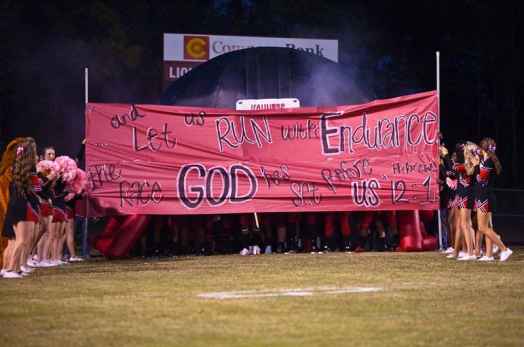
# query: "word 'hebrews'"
386,133
216,184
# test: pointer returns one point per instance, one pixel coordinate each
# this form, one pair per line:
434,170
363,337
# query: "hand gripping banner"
152,159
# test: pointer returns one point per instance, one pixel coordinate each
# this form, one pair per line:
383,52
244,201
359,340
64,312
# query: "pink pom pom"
48,168
80,181
67,167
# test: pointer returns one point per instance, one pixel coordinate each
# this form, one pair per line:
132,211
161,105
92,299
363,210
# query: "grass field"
425,299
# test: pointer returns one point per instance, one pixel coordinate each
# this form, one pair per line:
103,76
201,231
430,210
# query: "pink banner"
151,159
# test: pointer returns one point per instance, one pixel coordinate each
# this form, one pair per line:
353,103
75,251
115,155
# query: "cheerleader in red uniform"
47,173
484,203
23,209
490,146
464,168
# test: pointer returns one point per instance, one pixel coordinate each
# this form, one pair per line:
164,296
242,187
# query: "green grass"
427,300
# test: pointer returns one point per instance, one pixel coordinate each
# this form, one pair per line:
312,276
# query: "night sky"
391,44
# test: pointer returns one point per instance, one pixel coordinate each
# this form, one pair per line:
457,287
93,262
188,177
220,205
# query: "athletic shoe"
12,274
31,263
256,250
467,257
2,272
24,274
45,263
450,256
486,258
268,250
26,269
462,254
449,250
504,255
244,251
73,259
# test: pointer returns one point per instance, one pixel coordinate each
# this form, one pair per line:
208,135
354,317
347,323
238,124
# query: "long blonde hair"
471,157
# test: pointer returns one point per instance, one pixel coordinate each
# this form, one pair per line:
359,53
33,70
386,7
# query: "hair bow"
19,151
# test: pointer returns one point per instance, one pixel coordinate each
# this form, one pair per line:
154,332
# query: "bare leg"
28,245
478,243
70,237
466,229
489,247
451,223
23,232
8,254
61,240
46,247
458,233
53,242
483,220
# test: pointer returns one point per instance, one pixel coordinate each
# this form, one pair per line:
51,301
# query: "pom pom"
67,167
48,168
79,183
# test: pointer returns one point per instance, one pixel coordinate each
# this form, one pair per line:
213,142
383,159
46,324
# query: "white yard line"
243,294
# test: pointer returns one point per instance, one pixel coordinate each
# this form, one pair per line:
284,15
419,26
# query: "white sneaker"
268,250
504,255
12,274
462,254
486,258
450,256
44,263
449,250
73,259
244,251
467,257
256,250
2,272
26,269
31,263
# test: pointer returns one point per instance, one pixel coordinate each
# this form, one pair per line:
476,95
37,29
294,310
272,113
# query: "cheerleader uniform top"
483,197
464,193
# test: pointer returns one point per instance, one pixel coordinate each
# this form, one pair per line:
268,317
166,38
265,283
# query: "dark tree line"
45,46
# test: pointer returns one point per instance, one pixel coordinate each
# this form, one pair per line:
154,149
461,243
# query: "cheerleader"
484,203
6,176
489,145
464,168
23,209
47,172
